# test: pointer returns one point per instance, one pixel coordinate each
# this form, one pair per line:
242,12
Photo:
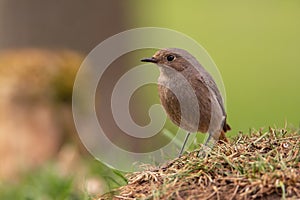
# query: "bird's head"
171,57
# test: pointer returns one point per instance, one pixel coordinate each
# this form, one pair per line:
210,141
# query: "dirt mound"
254,166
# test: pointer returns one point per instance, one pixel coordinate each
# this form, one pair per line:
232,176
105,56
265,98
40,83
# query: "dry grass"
262,165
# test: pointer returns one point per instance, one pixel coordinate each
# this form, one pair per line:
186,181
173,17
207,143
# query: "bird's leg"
213,137
208,139
208,145
184,143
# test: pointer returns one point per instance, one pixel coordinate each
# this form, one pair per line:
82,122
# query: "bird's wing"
212,86
205,77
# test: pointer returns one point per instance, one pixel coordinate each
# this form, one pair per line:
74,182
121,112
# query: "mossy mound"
260,165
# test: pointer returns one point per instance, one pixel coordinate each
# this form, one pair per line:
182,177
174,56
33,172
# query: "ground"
260,165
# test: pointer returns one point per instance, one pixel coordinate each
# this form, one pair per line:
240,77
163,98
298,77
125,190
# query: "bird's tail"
226,127
223,136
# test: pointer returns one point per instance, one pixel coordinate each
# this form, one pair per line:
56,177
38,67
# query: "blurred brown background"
69,24
42,44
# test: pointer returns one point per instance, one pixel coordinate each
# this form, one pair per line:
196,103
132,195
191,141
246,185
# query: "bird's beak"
153,60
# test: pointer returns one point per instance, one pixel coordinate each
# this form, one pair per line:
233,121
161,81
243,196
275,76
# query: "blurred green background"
256,46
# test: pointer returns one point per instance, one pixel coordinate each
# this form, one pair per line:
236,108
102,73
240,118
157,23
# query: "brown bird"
190,95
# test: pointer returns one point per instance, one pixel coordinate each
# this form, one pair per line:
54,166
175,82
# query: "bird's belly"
192,114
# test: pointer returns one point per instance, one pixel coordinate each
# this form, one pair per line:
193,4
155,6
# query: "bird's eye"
170,57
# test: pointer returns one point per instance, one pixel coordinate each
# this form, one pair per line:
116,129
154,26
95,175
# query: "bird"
189,95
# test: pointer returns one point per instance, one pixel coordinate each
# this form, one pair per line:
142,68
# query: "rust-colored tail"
226,128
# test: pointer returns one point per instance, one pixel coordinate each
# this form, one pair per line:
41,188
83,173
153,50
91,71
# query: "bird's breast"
184,105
